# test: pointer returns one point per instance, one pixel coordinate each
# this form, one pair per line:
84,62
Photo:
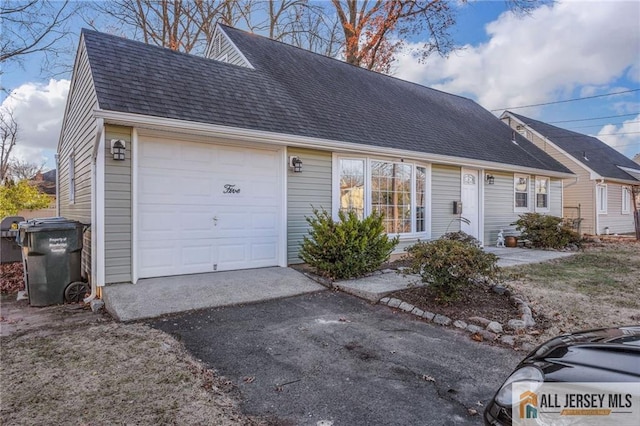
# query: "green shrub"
545,231
461,236
346,248
450,266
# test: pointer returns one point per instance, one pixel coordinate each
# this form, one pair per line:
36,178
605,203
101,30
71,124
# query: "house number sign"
230,189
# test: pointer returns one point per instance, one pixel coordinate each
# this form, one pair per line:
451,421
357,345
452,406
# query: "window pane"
521,186
542,191
541,201
421,176
391,195
521,199
352,186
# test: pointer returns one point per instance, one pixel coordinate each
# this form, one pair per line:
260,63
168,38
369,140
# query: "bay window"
398,190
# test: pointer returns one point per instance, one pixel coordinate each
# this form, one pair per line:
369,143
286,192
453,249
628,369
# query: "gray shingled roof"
296,92
601,158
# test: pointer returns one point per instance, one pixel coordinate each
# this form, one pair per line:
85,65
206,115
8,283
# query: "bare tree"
23,170
34,26
180,25
8,139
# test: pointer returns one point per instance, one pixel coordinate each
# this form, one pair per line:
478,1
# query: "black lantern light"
296,164
490,179
118,149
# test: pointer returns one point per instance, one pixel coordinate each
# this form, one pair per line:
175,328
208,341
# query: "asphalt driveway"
333,359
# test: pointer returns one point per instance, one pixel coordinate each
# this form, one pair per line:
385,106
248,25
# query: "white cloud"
38,109
625,138
541,57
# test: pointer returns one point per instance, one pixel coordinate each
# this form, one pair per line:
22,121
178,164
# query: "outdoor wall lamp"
118,149
490,179
295,163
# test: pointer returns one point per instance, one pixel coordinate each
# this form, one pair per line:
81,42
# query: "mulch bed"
11,277
480,301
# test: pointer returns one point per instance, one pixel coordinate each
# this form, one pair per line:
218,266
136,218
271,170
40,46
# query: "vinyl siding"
499,206
310,188
617,222
77,137
445,189
578,191
117,205
222,49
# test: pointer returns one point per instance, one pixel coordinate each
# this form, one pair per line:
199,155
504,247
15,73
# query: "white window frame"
601,198
535,194
626,200
368,195
72,178
526,209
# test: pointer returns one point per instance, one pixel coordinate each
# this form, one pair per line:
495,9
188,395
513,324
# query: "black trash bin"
51,252
10,251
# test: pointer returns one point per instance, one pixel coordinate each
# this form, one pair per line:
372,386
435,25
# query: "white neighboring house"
601,193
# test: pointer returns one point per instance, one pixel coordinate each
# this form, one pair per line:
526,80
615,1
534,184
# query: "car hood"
600,355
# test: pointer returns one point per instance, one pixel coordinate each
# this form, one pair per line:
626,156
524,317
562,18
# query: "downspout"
94,154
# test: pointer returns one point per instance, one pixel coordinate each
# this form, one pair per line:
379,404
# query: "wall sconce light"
490,179
295,163
118,149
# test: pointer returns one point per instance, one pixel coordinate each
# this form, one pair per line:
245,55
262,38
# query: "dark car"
603,355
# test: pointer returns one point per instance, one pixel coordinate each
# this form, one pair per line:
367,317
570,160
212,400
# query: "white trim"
272,138
428,214
526,209
94,204
134,205
71,178
535,194
599,201
99,226
282,234
481,184
626,199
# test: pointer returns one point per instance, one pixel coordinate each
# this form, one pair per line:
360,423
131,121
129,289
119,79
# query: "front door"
470,204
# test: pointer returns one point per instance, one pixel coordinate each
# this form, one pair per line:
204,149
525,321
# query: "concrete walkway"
153,297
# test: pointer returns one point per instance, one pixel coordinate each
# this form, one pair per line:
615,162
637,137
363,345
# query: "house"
185,164
601,193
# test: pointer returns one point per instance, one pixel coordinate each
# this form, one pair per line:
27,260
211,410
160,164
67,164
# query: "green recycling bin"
51,255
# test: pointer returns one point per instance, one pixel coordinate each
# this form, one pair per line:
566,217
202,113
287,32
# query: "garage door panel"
181,189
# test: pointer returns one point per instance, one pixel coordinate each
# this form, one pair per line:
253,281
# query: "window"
601,191
542,193
352,186
72,178
521,193
626,200
396,189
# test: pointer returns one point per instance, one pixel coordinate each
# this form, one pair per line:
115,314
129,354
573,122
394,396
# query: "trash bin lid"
11,223
49,224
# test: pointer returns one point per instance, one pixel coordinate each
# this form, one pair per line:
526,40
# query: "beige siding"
77,138
445,189
117,205
221,49
615,220
310,188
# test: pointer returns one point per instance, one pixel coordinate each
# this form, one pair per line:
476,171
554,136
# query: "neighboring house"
186,164
46,183
601,192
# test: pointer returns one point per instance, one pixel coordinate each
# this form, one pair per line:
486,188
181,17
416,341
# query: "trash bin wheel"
75,292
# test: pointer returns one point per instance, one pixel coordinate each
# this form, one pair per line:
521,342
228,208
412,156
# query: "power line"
567,100
607,124
593,118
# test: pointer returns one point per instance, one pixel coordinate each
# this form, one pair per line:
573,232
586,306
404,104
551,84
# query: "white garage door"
204,208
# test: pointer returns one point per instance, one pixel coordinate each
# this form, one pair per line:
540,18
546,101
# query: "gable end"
222,49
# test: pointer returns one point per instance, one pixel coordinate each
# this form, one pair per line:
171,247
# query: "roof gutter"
272,138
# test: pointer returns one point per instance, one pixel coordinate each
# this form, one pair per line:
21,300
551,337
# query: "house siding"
221,46
311,188
445,189
498,206
77,137
117,205
614,219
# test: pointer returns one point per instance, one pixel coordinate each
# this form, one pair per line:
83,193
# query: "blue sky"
567,50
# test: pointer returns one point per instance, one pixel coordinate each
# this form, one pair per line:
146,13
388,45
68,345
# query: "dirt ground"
109,373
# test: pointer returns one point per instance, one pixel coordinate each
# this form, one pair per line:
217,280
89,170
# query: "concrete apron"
152,297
